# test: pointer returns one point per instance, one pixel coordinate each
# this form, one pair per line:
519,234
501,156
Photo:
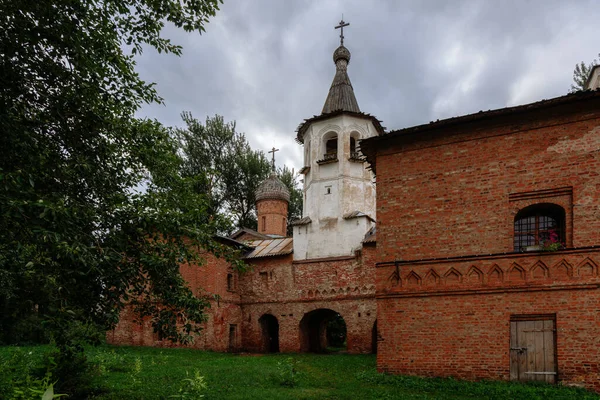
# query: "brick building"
455,282
465,208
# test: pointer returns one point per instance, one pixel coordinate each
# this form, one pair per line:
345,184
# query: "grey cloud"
267,63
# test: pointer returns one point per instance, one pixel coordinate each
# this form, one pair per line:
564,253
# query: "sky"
267,64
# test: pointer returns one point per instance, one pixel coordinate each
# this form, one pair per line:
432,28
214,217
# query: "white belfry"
339,193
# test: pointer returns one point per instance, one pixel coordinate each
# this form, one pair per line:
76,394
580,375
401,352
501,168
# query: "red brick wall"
288,290
456,194
207,279
449,194
451,317
272,217
276,286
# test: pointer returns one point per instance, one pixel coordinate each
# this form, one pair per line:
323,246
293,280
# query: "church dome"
272,188
341,53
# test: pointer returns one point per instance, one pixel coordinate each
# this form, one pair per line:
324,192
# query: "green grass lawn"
152,373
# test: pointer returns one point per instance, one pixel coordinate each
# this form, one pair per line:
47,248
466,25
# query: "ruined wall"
446,202
277,286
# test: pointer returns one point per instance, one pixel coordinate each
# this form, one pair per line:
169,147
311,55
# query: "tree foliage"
581,74
77,240
289,179
227,170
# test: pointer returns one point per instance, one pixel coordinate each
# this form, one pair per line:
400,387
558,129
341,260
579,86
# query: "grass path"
152,373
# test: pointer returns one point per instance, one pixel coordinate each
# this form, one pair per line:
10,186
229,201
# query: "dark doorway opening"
232,338
323,331
374,338
270,333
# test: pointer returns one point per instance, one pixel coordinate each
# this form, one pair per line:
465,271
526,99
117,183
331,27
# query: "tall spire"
341,95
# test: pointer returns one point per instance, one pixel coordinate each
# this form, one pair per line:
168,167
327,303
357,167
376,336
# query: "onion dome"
341,94
341,53
272,189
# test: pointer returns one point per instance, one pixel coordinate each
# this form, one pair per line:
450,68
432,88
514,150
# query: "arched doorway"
270,333
322,330
374,338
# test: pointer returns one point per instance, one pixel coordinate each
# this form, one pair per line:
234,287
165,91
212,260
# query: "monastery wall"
452,317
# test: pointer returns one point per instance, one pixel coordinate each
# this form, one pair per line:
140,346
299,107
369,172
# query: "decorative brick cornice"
474,257
490,290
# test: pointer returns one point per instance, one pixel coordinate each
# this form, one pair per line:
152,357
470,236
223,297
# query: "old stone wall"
448,282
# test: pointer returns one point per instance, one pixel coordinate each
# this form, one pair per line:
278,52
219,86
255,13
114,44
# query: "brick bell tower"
272,199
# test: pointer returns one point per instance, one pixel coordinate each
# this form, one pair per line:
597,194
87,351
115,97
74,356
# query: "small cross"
273,160
341,28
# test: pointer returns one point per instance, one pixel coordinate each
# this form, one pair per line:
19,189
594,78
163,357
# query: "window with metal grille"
537,224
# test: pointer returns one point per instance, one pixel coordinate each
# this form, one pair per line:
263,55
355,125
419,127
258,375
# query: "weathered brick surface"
288,290
445,196
277,286
272,216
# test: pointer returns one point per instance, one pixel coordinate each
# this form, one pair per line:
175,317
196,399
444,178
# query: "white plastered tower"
339,192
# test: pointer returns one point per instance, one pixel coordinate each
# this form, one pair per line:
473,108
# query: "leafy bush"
191,388
287,372
25,376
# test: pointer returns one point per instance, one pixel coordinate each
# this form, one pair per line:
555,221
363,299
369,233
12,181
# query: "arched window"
354,153
331,147
539,225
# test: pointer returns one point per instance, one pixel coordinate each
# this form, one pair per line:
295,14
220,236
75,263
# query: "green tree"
288,177
77,241
581,74
227,169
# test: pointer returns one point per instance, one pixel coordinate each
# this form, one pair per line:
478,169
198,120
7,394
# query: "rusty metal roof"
249,231
270,248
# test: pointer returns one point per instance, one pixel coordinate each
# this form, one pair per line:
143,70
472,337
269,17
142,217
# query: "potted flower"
551,241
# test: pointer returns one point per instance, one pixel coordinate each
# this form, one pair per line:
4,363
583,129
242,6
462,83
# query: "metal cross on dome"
341,28
273,159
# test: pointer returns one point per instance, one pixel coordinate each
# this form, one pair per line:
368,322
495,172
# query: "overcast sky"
267,64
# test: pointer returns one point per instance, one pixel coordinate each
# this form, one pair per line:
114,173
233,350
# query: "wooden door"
532,349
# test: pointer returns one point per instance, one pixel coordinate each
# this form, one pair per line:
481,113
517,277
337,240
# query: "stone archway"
270,333
321,330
